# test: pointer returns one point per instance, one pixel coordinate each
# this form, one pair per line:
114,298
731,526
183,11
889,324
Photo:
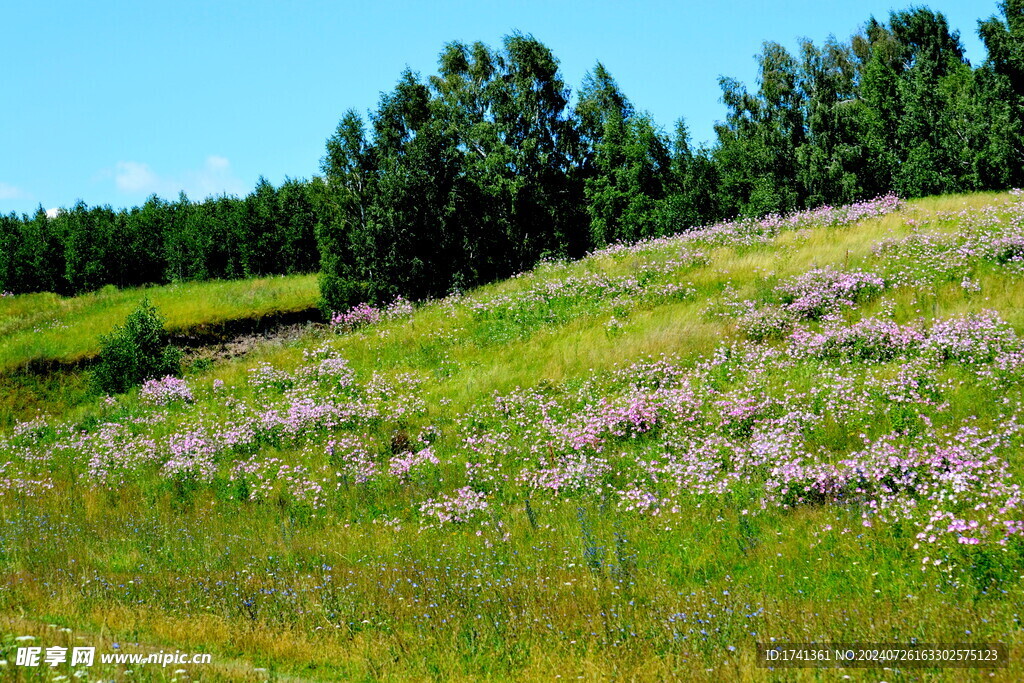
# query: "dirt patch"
240,345
208,334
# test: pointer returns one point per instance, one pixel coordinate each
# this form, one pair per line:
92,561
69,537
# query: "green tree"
632,166
344,200
833,162
624,159
691,195
415,236
1001,97
137,351
757,144
880,62
145,228
506,113
260,248
88,236
926,142
295,217
32,255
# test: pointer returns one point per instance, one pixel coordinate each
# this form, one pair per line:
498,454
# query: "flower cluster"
955,247
260,480
655,434
461,507
404,465
354,459
749,232
166,391
763,322
870,339
826,290
561,300
356,317
364,314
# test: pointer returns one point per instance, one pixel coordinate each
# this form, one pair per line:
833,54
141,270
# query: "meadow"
803,428
47,328
47,340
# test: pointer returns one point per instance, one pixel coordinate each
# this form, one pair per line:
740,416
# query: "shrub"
136,352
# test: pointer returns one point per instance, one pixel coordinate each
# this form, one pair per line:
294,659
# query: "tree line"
270,231
484,168
487,166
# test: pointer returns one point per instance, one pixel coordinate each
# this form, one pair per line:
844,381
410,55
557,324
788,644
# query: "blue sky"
109,102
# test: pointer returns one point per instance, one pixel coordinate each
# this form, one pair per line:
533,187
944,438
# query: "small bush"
136,352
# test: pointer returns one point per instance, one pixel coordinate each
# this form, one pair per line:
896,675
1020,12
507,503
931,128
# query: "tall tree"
757,143
507,114
1001,96
144,229
344,202
691,192
296,221
414,235
632,170
833,162
880,62
931,54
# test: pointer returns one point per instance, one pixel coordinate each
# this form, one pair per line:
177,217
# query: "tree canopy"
482,169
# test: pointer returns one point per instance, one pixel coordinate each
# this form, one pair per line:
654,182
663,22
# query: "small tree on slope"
135,352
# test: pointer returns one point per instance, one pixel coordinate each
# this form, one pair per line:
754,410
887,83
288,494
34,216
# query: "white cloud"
52,213
212,178
131,176
12,192
215,177
215,162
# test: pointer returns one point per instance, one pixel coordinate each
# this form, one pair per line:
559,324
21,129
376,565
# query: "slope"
636,465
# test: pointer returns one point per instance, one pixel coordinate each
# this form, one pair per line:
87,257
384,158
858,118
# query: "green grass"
44,338
538,585
44,327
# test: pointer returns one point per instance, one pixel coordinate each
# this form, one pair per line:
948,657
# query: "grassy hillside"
38,328
46,339
635,466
